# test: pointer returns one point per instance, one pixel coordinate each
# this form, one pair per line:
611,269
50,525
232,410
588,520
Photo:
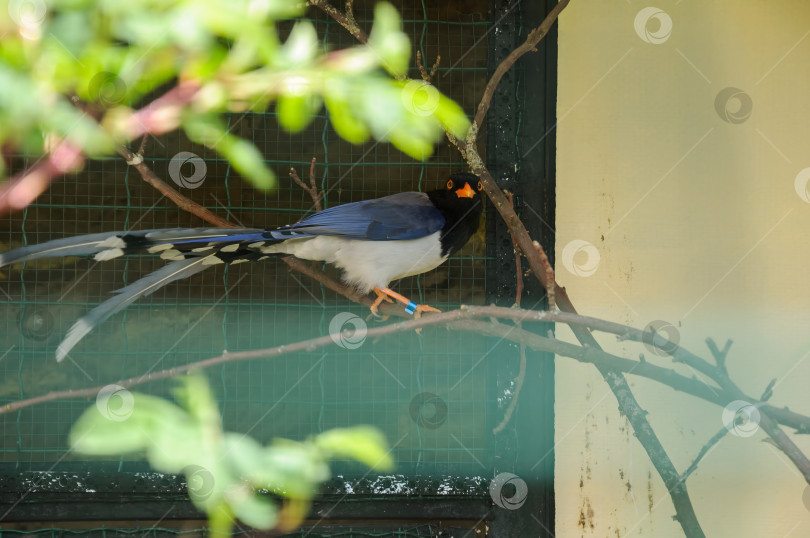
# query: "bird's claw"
417,313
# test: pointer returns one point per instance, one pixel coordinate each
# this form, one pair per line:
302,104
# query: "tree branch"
534,37
346,19
628,405
460,319
186,204
312,189
703,451
423,72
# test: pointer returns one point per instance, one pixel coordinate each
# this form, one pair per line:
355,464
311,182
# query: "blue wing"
406,215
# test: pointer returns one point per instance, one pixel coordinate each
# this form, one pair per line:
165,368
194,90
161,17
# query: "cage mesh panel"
261,304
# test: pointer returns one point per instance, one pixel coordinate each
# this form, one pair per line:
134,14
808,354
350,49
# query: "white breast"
368,264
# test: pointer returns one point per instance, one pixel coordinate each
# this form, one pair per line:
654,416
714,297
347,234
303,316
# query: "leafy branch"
216,58
229,475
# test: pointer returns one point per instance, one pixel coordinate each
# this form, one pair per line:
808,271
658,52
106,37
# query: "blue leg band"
411,308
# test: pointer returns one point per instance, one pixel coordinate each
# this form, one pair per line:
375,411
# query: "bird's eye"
480,186
449,183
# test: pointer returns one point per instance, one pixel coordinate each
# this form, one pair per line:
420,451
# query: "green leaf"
362,443
452,117
243,155
194,394
285,467
388,41
347,125
248,161
295,112
110,429
416,148
301,46
256,511
223,470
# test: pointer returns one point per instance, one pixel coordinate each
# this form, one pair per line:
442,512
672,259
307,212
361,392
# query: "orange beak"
466,192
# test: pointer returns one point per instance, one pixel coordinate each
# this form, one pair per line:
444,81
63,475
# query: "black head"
460,203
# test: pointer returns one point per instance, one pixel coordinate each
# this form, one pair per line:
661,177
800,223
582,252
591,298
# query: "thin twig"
427,76
507,416
312,189
346,19
165,189
142,148
516,249
534,37
718,354
768,392
550,280
455,320
703,451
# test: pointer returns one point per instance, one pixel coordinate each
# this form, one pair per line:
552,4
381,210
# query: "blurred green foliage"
223,470
74,69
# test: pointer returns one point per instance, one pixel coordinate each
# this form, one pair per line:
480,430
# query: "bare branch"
184,203
427,76
455,320
507,416
550,280
534,37
346,19
719,355
312,189
768,392
711,443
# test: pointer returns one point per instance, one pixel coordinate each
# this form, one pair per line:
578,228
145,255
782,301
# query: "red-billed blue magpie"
374,242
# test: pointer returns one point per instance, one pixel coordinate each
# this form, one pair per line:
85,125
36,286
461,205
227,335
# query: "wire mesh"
257,305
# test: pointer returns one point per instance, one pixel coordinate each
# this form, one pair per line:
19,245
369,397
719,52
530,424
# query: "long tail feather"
190,250
82,245
126,296
108,245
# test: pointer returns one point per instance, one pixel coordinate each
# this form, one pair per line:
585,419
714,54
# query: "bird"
374,242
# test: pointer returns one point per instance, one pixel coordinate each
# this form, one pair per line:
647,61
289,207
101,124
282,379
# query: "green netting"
257,305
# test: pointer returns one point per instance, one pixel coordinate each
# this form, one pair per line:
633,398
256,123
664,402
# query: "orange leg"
381,296
410,306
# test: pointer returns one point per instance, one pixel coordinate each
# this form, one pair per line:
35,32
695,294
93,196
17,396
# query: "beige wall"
697,222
